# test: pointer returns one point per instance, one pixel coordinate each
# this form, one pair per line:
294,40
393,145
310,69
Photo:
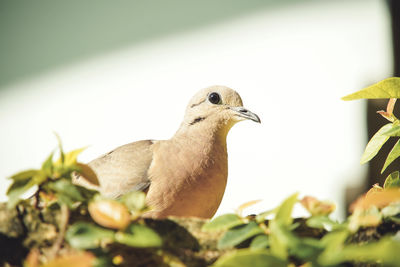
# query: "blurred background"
105,73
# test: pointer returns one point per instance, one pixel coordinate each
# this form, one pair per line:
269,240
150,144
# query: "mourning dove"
185,175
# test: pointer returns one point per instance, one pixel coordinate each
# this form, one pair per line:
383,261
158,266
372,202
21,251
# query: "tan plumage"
185,175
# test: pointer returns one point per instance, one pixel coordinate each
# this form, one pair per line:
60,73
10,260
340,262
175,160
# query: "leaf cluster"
111,222
388,88
52,183
254,241
115,229
116,221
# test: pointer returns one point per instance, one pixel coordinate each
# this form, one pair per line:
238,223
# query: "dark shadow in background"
374,120
37,36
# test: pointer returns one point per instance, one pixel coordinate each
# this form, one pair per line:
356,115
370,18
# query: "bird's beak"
246,114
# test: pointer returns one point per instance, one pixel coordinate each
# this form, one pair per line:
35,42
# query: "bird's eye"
214,98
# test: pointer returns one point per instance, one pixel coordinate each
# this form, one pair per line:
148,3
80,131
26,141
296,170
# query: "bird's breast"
188,179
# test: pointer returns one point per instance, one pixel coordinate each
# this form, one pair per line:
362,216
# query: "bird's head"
216,108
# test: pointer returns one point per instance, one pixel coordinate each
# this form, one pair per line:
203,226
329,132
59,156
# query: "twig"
60,237
388,114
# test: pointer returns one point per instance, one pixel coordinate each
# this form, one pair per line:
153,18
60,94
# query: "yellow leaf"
170,259
70,157
246,205
388,88
117,260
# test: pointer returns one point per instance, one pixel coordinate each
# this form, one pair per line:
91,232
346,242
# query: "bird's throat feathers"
205,128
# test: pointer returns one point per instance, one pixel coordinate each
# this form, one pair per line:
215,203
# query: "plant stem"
63,227
390,106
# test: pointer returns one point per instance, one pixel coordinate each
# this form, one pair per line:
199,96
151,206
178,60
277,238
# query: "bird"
186,175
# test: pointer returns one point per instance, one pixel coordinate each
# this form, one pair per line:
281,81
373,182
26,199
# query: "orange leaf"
81,259
365,218
109,213
377,197
374,189
388,114
32,260
317,207
385,114
368,220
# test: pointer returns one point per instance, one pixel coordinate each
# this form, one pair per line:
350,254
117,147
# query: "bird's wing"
124,169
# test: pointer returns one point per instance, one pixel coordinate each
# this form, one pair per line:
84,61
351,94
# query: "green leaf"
395,131
307,249
223,222
280,236
23,181
388,88
64,170
391,211
134,201
322,222
237,235
395,219
393,180
280,239
333,242
284,211
47,165
393,154
87,194
24,175
39,178
375,144
385,252
84,235
249,257
139,236
261,217
64,186
62,155
16,189
260,241
66,192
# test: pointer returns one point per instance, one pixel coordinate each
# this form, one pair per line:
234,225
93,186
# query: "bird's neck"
204,132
